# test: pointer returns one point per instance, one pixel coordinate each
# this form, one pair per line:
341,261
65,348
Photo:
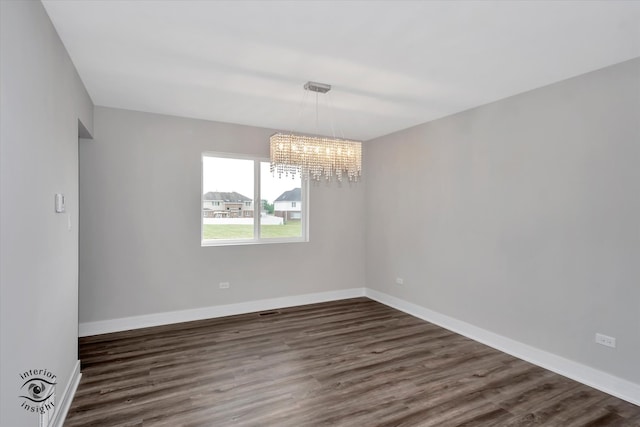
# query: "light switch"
59,203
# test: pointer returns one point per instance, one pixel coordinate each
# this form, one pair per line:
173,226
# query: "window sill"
209,243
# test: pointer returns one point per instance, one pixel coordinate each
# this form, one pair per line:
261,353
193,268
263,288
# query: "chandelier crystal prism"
314,157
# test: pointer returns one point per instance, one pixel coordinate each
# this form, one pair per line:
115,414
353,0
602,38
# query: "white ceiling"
392,64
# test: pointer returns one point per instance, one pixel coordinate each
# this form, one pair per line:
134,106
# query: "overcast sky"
227,175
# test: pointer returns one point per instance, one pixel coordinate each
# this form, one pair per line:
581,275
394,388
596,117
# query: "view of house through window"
242,202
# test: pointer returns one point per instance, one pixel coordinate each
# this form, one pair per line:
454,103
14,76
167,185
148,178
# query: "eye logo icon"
37,390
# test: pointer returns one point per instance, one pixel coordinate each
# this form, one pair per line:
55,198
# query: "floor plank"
344,363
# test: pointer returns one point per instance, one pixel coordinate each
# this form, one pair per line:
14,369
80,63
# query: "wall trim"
584,374
600,380
67,397
166,318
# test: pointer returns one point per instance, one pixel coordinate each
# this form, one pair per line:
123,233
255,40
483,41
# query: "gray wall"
41,100
521,217
140,250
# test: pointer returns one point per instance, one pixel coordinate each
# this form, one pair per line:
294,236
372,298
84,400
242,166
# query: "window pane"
281,215
227,199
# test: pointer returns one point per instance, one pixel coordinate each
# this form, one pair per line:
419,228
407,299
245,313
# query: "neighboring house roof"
294,195
231,197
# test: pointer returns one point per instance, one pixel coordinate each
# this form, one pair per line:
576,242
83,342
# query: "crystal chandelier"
315,157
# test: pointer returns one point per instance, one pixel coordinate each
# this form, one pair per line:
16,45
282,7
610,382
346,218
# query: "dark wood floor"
347,363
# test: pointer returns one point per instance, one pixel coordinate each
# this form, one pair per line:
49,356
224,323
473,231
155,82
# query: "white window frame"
257,240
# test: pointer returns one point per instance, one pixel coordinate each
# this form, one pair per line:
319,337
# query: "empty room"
319,213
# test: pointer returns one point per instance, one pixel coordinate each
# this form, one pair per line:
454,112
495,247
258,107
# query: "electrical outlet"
606,340
399,281
224,285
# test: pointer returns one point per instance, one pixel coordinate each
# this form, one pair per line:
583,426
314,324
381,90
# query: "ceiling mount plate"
317,87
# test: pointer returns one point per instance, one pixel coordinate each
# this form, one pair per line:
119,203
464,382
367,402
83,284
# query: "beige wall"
521,217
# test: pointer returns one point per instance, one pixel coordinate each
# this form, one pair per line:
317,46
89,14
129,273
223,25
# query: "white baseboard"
157,319
602,381
67,397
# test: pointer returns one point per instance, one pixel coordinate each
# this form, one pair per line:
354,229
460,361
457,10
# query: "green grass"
229,231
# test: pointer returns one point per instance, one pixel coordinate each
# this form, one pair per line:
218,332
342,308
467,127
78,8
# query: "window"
232,184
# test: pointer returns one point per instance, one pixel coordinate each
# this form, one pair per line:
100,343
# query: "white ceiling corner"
392,64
